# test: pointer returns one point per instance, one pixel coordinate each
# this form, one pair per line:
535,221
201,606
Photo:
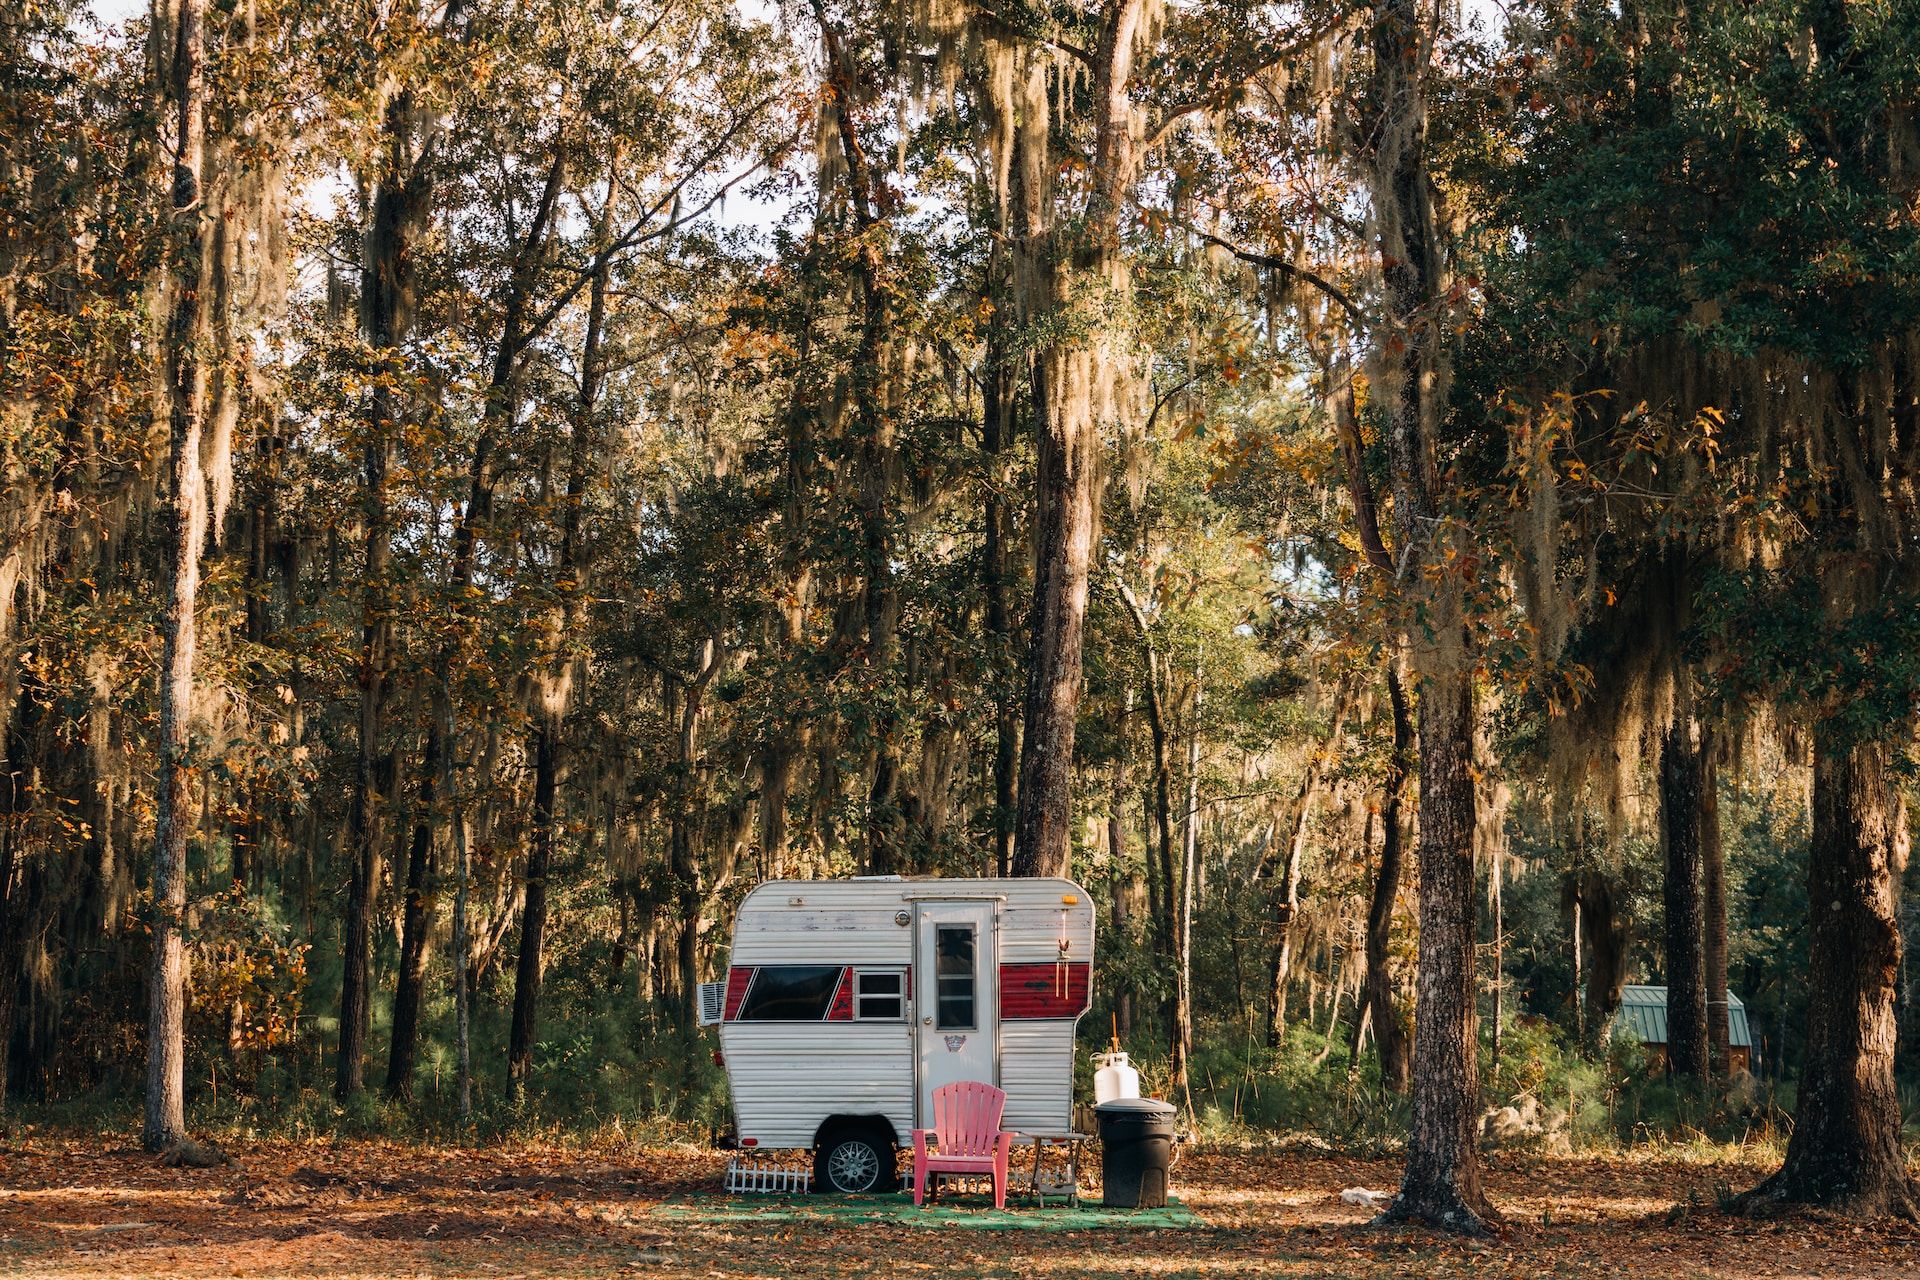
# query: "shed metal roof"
1643,1011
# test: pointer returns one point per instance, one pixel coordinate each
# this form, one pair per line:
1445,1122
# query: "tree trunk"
416,920
1603,943
1442,1185
555,693
533,918
884,825
1160,887
1497,878
689,892
396,219
186,381
1713,893
1287,905
1120,921
462,987
370,774
1071,373
398,216
1680,791
1845,1150
1389,1035
1064,531
1182,1042
997,416
13,810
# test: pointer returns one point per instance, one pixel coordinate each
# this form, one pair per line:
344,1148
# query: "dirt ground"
70,1208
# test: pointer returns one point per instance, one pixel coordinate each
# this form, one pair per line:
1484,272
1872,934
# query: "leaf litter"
369,1209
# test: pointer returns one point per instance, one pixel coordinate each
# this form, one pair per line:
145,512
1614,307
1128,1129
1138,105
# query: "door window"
953,976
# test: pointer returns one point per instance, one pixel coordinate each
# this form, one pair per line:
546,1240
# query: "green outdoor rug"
899,1210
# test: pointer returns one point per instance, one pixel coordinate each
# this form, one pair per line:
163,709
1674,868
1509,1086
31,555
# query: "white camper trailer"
848,1002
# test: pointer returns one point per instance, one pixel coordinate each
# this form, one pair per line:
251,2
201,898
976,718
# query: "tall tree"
400,215
1073,399
1442,1184
1683,775
184,73
556,688
1713,901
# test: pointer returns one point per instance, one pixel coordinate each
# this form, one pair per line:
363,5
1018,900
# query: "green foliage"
1862,679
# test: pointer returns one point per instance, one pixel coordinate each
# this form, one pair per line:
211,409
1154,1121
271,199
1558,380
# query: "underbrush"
609,1075
603,1075
1308,1093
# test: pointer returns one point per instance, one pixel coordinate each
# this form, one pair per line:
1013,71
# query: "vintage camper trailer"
848,1002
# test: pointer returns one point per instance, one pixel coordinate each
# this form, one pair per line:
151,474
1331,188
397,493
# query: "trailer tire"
854,1161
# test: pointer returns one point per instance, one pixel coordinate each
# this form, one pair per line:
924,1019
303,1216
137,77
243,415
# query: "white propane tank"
1115,1079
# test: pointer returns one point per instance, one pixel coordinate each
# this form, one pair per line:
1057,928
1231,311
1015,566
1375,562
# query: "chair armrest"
1004,1142
920,1137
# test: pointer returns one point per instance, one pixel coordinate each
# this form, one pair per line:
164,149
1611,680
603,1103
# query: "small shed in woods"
1643,1011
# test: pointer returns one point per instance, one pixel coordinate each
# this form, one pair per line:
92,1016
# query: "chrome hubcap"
853,1166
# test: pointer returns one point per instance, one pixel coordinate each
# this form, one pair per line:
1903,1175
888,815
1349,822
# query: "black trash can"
1136,1149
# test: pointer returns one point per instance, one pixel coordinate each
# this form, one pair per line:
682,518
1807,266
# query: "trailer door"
956,978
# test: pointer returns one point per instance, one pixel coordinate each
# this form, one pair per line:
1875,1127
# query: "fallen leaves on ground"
372,1209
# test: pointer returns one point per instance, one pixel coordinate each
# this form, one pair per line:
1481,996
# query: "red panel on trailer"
739,978
1038,990
841,1010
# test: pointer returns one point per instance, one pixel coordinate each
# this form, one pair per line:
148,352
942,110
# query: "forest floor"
71,1207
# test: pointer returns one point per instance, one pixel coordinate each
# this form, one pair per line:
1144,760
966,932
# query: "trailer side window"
790,993
953,977
879,995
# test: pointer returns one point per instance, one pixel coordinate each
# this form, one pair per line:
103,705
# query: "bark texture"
416,918
1845,1150
1681,787
530,963
186,528
398,216
1442,1184
1603,941
1713,900
1074,377
1389,1034
1064,533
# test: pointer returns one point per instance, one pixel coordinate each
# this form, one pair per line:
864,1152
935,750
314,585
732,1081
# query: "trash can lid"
1136,1107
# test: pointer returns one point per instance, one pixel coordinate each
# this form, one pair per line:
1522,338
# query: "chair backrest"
966,1117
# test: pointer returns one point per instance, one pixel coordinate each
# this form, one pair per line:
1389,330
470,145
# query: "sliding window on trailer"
879,995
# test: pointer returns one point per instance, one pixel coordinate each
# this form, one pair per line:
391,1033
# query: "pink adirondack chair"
966,1130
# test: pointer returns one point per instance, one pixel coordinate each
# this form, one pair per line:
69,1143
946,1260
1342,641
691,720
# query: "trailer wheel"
854,1162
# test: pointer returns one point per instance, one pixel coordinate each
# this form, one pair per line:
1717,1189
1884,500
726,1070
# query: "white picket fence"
770,1174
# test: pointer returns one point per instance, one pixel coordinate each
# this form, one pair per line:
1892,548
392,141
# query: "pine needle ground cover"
73,1207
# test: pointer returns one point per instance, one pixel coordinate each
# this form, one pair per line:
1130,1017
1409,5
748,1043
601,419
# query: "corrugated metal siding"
851,921
1036,1070
788,1077
1643,1011
1030,922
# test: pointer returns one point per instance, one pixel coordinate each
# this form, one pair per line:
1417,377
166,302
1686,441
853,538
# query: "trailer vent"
713,1003
770,1173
